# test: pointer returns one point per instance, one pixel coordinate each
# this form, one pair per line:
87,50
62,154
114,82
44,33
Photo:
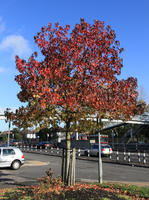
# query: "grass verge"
129,189
79,191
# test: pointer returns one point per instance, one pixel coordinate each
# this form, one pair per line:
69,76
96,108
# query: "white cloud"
17,44
2,25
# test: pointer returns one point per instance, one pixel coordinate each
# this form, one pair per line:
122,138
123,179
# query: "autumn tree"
77,77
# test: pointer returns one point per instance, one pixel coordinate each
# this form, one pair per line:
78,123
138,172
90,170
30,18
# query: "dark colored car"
44,144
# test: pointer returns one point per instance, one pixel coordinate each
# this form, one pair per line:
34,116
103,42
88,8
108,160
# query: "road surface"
36,165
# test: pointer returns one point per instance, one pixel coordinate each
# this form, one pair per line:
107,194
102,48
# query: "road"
36,165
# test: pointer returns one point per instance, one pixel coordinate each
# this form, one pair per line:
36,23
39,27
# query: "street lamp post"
8,142
99,160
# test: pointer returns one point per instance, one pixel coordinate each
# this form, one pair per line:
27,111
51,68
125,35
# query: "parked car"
106,150
15,143
11,157
3,145
44,144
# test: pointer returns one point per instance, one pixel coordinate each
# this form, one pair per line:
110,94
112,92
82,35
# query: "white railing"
124,157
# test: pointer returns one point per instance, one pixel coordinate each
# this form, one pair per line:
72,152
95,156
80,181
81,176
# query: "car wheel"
16,165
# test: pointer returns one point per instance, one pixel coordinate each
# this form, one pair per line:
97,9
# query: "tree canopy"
78,75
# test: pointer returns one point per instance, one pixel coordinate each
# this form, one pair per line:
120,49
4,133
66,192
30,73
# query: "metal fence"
131,147
122,157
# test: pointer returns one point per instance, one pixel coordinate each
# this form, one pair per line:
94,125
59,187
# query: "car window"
7,152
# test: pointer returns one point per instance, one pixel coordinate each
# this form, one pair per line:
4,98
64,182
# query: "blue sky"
21,20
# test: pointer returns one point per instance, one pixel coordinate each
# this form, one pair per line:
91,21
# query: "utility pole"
112,138
8,142
99,160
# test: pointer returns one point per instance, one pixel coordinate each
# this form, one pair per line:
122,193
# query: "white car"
11,157
106,150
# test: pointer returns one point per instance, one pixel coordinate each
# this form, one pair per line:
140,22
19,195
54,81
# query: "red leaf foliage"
79,69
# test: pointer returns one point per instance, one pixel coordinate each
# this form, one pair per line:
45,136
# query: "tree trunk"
72,182
67,160
63,164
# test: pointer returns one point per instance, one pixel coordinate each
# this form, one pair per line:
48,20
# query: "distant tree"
47,134
76,81
43,134
17,134
3,138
